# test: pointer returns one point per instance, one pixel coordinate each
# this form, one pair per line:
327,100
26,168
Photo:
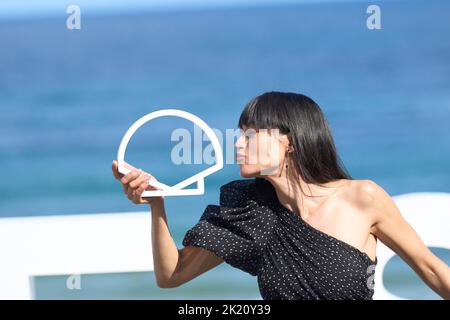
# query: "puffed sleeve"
237,229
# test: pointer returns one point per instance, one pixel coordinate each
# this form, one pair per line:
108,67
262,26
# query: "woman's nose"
239,142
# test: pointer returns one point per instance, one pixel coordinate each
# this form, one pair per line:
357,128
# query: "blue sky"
23,8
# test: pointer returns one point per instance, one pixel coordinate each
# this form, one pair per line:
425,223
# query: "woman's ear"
290,148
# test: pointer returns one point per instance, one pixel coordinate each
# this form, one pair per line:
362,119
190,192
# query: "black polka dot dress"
252,231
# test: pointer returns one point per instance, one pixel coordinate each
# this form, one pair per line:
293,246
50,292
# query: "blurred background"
68,96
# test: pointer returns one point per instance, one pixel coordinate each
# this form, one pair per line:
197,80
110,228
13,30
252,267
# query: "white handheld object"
176,190
152,181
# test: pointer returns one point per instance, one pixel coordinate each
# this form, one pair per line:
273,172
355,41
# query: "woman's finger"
130,176
138,181
130,191
137,199
130,196
141,189
115,170
125,188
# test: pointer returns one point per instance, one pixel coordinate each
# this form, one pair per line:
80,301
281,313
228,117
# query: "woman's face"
260,152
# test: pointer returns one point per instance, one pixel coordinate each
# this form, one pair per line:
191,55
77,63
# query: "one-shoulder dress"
251,230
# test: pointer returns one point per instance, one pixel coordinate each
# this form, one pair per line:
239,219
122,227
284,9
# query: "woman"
307,230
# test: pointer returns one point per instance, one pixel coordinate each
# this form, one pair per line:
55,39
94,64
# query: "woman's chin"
246,172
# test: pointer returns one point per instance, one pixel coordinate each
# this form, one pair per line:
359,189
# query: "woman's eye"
248,134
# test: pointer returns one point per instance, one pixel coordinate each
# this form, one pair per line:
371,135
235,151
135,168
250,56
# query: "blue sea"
68,96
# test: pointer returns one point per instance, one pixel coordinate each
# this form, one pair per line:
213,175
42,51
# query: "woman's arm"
394,231
172,266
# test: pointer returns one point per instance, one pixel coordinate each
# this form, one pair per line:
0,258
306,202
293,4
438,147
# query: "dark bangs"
266,111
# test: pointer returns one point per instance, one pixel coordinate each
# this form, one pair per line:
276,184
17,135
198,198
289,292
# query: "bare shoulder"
363,192
370,197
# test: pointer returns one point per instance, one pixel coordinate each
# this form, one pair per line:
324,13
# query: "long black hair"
314,157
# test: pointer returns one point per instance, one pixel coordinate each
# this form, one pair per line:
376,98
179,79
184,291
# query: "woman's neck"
290,195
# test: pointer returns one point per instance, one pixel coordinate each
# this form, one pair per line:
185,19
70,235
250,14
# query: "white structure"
103,243
71,245
176,190
429,214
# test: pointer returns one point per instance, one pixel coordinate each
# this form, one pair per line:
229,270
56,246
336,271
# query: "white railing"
71,245
121,242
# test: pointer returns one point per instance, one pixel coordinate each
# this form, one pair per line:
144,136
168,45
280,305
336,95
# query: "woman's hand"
135,183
